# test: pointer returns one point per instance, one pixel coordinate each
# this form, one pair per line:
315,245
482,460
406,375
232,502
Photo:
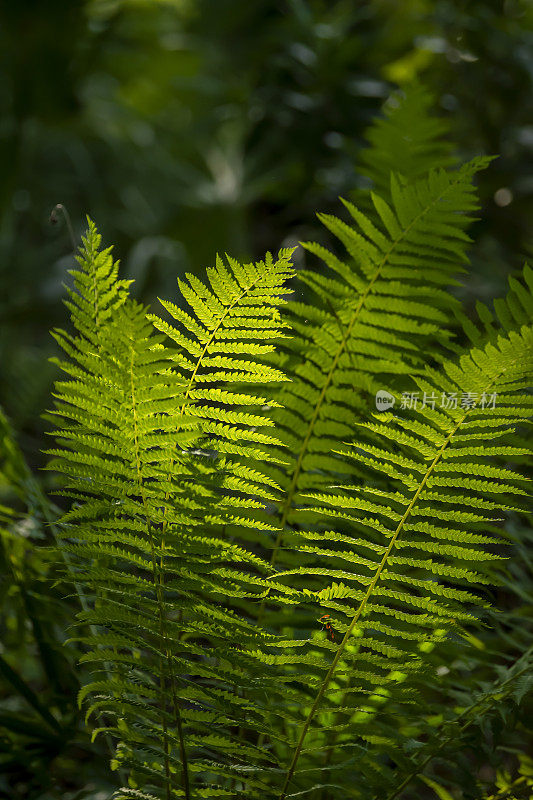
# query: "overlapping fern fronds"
210,496
405,568
171,655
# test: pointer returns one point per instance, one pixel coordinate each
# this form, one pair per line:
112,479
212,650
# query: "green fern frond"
218,345
404,588
381,307
149,498
409,138
97,292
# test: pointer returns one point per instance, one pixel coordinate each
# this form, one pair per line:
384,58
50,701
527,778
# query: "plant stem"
53,219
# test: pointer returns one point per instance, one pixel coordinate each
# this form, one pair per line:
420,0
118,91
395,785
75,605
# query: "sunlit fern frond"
377,312
495,662
178,672
398,568
220,348
98,292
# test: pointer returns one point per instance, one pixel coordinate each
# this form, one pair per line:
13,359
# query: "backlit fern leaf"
381,307
220,355
147,507
412,571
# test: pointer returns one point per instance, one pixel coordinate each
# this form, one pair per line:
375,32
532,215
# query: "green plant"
227,482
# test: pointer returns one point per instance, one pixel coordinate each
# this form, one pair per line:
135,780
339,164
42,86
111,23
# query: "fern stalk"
159,588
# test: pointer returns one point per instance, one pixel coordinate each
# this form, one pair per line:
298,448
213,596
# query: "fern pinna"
137,424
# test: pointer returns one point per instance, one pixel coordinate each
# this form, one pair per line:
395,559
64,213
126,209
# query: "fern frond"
405,589
97,292
385,303
409,138
134,418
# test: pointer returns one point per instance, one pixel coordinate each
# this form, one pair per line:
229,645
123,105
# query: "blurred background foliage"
187,127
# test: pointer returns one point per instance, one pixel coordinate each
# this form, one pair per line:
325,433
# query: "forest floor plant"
285,586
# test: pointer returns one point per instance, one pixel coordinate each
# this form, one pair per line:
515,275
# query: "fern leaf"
133,427
398,585
375,331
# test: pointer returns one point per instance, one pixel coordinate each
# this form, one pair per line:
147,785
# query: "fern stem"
157,575
175,701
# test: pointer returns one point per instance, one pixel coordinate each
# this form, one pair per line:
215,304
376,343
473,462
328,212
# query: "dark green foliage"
43,740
